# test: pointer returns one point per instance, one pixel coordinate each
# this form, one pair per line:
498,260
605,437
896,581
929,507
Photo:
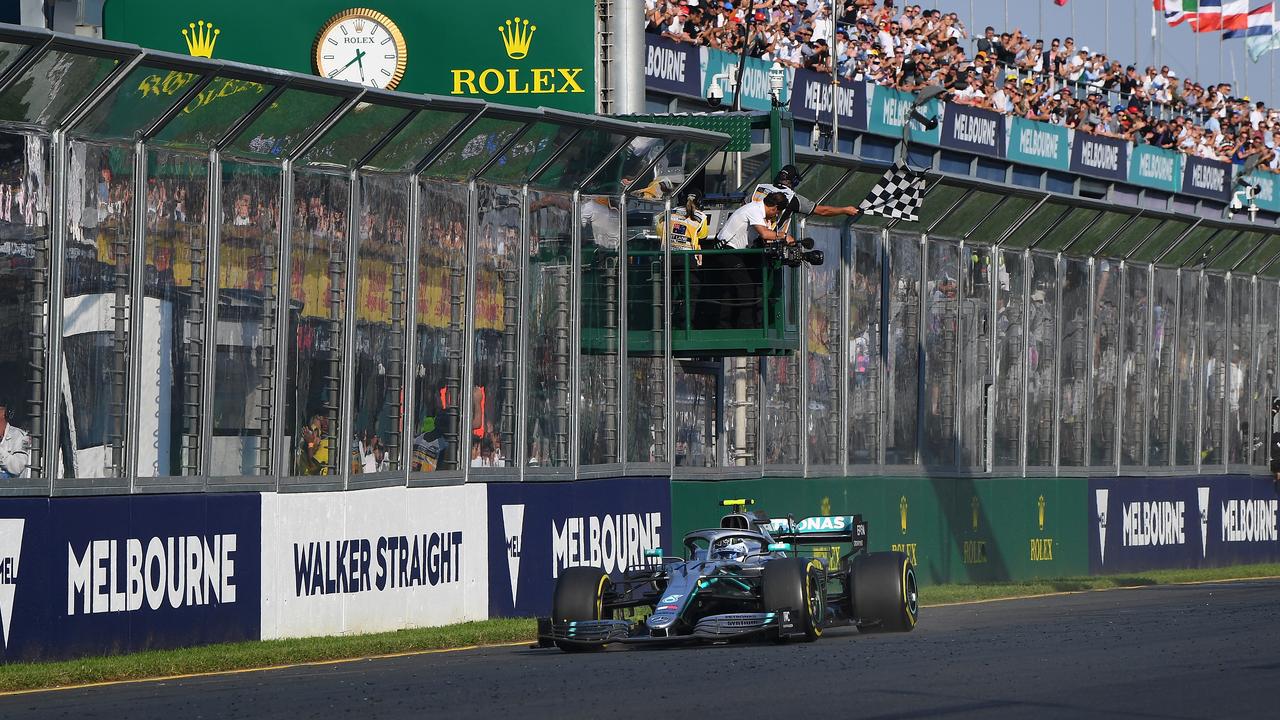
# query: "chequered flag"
899,194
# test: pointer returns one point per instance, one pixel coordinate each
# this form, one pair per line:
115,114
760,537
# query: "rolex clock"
361,46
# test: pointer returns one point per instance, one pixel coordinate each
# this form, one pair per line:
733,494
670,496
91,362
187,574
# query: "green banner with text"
505,51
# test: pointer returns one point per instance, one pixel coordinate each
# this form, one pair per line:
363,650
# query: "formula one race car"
740,580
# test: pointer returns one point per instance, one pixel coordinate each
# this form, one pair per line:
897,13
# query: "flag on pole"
1059,3
1208,16
1235,15
899,194
1177,12
1260,22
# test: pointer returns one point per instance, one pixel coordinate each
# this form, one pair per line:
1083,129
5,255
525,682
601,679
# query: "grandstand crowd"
1057,81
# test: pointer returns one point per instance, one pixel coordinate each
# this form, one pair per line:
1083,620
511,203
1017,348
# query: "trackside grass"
274,653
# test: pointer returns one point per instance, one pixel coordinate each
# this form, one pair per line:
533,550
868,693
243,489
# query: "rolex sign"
504,51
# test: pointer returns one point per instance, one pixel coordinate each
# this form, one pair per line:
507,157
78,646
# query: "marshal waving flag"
1177,12
1259,23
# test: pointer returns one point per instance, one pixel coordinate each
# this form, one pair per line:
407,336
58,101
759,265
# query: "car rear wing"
821,530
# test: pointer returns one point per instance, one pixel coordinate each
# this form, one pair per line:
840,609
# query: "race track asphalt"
1192,651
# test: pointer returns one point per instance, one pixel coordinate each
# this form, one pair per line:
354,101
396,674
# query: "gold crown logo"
359,23
516,36
200,41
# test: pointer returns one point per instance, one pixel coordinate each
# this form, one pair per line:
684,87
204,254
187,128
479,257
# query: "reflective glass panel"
626,167
1215,361
973,210
381,284
549,314
941,338
1134,362
285,123
137,103
96,344
317,287
495,355
10,52
534,148
646,375
864,348
823,419
742,388
24,307
417,140
1099,232
1041,221
1261,257
1160,240
780,383
53,87
696,420
998,223
1238,249
939,199
1042,360
354,135
974,353
600,226
248,293
819,179
1193,246
903,358
676,165
1240,399
440,328
1073,372
1011,341
588,150
1187,373
474,147
1073,222
1129,238
1104,361
212,112
1164,317
1266,352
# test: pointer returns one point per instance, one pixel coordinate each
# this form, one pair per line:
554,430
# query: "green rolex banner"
505,51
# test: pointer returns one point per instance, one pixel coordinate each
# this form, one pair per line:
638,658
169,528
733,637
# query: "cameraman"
730,277
785,182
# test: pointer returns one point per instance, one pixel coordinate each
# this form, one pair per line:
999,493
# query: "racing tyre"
794,584
884,592
579,596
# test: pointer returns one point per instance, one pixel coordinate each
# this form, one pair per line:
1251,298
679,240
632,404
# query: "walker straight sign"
93,576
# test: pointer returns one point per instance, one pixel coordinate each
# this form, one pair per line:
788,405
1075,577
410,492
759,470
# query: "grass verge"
272,653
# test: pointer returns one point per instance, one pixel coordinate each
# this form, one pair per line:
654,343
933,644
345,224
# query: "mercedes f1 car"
741,580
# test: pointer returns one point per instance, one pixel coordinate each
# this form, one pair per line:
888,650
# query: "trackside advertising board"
1040,144
974,130
671,66
1100,156
107,575
373,560
811,100
1175,522
544,57
537,529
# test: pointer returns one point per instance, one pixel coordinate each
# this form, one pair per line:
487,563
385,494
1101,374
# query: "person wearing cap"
785,182
15,445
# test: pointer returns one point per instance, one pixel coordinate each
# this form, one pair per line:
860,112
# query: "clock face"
361,46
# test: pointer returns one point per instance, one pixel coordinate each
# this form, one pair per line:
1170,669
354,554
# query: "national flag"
1235,15
1208,16
1262,44
1177,12
1260,22
1059,3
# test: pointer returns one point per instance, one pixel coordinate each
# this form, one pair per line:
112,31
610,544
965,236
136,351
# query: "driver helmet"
788,177
730,548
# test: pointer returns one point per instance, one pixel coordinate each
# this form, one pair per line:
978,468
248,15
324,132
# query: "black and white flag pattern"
899,194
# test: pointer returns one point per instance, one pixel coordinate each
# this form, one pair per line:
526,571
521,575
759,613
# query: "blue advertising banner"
104,575
1155,167
1100,156
755,81
973,130
672,67
538,529
1174,522
811,100
890,110
1039,144
1207,179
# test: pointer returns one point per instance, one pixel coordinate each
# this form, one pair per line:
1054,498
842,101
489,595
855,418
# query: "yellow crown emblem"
200,40
359,23
516,36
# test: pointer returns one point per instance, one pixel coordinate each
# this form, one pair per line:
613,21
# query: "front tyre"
579,596
885,596
795,584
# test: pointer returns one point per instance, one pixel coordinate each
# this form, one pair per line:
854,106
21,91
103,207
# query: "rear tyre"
794,584
579,596
884,592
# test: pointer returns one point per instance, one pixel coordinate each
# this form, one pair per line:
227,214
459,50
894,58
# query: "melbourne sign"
1143,523
755,80
672,67
974,130
1207,179
1100,156
542,528
811,99
82,576
1039,144
891,110
548,59
1155,167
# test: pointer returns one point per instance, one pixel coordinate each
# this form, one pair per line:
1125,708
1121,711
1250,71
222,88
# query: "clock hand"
344,67
360,60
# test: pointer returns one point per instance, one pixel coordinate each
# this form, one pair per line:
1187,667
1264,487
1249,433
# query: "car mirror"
779,547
